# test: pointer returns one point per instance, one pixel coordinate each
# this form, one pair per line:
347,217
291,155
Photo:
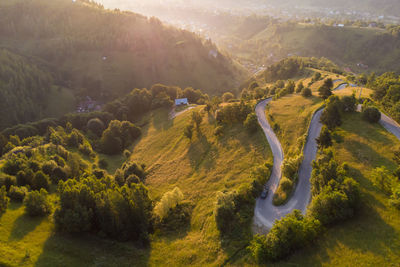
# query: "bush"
40,180
227,96
188,131
251,123
325,139
7,180
371,114
103,163
306,92
17,193
37,203
3,199
96,126
168,202
287,234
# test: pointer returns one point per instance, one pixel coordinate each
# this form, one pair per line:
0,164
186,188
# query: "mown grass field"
200,168
292,113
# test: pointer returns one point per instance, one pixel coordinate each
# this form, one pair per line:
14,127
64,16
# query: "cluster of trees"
93,205
325,90
389,182
290,169
234,210
118,136
140,101
284,69
336,197
335,107
386,92
233,113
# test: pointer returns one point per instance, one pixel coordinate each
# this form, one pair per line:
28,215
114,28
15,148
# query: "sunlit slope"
110,52
200,168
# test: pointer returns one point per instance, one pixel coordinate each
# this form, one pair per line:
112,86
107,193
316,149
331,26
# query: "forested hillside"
106,53
23,89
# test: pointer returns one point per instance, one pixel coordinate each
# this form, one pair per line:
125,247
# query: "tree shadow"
88,250
202,153
365,154
23,225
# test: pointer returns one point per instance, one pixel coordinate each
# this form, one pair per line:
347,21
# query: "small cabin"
181,101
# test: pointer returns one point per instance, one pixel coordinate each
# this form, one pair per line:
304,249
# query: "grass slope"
292,113
199,168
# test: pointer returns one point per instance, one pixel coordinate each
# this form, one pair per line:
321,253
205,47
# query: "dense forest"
23,89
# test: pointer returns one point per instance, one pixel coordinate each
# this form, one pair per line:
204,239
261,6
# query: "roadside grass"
290,117
200,168
365,92
292,114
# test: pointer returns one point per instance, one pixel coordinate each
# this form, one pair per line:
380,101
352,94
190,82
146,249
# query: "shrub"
306,92
251,123
17,193
325,139
37,203
7,180
103,163
168,202
96,126
300,87
3,199
40,180
287,234
227,96
371,114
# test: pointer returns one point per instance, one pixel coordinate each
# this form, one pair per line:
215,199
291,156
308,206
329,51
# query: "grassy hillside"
200,169
105,53
292,114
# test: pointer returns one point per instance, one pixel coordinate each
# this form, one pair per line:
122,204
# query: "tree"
3,199
96,126
324,140
306,92
251,123
331,117
383,179
37,203
227,96
317,76
41,180
290,86
348,103
371,114
325,90
299,87
168,202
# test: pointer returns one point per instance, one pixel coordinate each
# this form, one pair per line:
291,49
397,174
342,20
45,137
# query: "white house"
181,101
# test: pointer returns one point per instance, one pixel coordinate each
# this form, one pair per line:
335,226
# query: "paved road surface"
265,212
390,125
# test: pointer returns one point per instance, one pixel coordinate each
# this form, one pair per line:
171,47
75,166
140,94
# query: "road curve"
265,212
390,125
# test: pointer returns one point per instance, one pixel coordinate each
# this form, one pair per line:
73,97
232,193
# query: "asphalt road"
265,212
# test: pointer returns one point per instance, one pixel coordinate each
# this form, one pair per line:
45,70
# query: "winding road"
266,212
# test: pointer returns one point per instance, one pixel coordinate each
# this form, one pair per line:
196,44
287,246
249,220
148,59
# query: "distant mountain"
388,7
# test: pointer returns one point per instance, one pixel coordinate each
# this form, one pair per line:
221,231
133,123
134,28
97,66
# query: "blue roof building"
181,101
